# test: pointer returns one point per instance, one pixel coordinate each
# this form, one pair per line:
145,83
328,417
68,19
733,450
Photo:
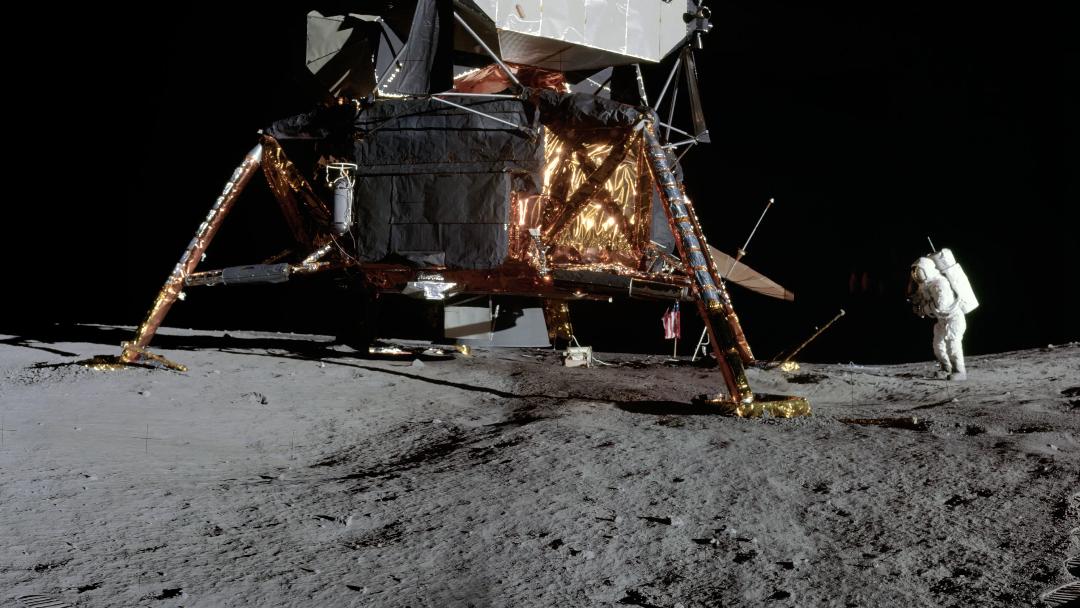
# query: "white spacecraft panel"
585,34
605,25
562,20
521,16
672,26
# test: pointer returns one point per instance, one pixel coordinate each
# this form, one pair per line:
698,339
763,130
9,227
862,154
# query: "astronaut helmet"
923,269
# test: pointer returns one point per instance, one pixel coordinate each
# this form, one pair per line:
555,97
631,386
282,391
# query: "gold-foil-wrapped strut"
691,250
146,355
305,213
174,285
727,357
690,247
730,317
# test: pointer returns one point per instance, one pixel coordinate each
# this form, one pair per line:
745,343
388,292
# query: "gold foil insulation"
594,206
492,79
293,194
145,355
107,363
557,317
773,406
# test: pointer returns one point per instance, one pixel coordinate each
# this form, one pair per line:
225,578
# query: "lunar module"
495,147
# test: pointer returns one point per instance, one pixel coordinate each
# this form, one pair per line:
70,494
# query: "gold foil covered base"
112,363
772,406
133,352
107,363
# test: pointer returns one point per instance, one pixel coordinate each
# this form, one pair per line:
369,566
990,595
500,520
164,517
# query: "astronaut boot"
944,369
959,372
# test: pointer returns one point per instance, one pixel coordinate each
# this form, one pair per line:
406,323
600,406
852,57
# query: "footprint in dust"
1072,397
1065,595
1069,593
42,601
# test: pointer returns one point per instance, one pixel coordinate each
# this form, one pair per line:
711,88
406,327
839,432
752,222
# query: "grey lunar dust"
282,470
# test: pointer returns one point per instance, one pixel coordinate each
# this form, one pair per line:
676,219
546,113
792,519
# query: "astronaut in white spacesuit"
935,297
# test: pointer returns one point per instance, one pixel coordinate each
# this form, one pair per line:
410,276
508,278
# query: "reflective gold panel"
596,200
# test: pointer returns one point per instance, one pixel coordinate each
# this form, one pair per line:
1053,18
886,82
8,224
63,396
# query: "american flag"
671,323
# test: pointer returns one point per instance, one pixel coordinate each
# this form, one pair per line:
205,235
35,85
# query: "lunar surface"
286,470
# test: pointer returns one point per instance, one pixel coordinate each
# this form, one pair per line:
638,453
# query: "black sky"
873,126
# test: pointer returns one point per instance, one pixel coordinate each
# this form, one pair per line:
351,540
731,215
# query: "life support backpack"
946,263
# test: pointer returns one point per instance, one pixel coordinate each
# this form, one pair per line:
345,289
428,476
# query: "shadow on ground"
45,337
42,337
